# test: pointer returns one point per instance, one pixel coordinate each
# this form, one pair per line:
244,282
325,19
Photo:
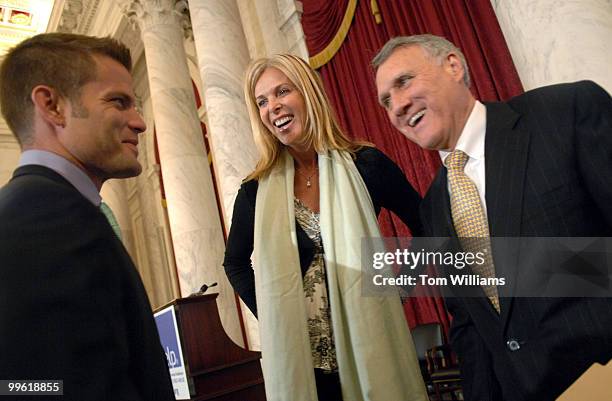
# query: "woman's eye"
283,91
261,103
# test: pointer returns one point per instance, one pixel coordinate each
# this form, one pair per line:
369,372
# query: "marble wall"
9,156
553,41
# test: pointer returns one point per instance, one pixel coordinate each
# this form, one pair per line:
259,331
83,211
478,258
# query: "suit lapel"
506,159
505,162
506,151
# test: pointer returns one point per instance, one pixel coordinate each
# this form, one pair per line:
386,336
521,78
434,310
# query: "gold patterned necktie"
110,216
470,220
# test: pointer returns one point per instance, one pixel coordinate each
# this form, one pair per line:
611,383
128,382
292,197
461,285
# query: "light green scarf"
376,356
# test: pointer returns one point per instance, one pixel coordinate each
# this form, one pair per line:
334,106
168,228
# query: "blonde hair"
321,129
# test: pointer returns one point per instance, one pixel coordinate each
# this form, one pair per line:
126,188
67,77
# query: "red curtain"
349,81
327,17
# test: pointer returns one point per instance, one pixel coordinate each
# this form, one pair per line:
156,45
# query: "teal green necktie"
108,213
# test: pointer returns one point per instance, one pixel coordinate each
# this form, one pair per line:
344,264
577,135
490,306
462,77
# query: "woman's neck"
304,160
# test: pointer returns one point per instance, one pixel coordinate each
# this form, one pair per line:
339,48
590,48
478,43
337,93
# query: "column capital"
149,13
70,15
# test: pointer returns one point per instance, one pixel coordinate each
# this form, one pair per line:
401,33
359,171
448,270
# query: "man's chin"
428,143
421,142
127,171
135,171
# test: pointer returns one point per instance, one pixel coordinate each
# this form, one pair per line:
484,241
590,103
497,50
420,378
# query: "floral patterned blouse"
316,295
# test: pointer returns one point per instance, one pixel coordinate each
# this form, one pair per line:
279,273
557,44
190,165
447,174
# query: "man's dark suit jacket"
548,156
72,305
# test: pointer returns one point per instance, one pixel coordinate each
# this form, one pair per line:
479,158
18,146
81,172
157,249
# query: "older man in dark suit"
72,306
538,165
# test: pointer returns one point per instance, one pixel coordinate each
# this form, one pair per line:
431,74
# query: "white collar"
66,169
472,138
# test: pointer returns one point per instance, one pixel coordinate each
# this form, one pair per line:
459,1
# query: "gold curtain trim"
376,12
323,57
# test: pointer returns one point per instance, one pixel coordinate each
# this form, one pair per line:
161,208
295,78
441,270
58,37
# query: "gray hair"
435,46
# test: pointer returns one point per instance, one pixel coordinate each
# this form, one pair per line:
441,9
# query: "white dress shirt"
472,142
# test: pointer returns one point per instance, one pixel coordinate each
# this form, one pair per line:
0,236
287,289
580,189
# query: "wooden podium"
217,369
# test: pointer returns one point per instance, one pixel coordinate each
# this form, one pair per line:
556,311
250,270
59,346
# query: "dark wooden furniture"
217,368
444,372
425,337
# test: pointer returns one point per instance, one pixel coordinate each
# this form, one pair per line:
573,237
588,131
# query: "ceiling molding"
22,19
56,14
76,16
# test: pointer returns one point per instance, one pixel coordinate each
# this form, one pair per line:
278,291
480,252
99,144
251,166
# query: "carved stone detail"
77,15
88,16
147,13
70,16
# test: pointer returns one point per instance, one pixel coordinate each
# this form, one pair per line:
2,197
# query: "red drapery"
348,79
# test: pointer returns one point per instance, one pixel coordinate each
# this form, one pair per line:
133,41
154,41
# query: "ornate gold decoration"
323,57
21,18
376,11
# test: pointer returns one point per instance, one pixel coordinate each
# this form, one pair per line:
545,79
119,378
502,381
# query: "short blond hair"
321,129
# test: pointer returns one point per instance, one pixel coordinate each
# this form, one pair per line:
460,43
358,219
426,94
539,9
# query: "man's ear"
454,66
50,105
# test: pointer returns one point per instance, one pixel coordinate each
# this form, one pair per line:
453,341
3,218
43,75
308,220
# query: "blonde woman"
303,211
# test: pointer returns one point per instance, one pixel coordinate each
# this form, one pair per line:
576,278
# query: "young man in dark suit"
72,305
538,165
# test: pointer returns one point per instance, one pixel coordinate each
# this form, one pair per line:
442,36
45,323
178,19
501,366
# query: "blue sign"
166,326
171,342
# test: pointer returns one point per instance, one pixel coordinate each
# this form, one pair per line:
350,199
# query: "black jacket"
386,184
72,305
548,156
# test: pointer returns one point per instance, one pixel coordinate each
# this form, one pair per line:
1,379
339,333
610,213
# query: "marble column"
117,194
273,26
9,153
222,58
290,13
149,218
192,210
554,41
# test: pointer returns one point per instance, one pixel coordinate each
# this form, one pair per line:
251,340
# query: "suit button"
513,345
